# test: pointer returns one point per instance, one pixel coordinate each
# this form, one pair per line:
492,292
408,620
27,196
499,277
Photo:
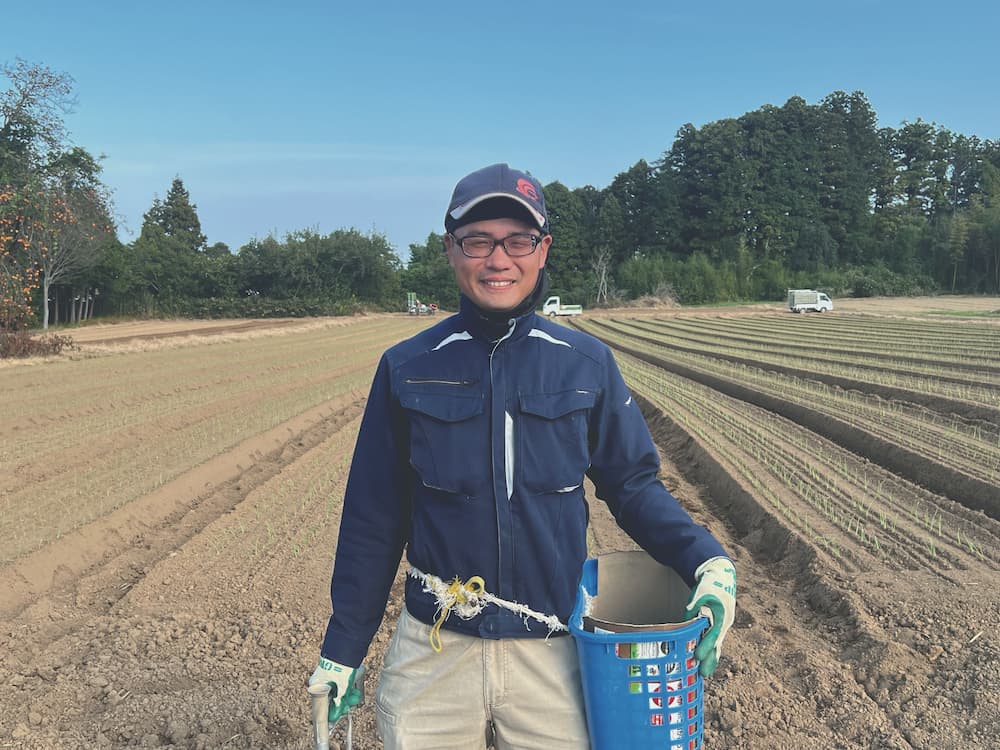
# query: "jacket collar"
493,326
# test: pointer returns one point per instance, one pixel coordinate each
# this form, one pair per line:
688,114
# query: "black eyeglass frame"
460,241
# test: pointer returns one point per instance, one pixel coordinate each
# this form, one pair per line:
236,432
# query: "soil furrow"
825,478
761,335
770,353
826,607
944,480
945,404
135,536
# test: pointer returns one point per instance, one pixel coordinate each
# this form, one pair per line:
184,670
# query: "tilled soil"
197,627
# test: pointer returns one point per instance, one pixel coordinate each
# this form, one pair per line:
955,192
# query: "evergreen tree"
178,217
168,252
634,191
568,266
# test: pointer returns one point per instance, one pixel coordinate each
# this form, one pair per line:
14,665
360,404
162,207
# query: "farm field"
170,497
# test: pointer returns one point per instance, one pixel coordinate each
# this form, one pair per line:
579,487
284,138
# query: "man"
472,454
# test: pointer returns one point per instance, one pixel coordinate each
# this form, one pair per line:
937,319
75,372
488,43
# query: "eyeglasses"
515,245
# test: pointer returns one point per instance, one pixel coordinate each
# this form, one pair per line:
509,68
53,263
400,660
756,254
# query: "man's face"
497,282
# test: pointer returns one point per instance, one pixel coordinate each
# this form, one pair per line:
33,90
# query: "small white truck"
804,300
553,307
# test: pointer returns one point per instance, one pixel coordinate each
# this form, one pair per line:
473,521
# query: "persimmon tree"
19,277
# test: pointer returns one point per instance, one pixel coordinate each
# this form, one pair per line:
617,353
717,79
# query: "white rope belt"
469,599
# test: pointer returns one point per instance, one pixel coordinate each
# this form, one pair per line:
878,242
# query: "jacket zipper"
510,331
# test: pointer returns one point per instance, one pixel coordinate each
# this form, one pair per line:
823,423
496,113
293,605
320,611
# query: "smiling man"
485,213
476,439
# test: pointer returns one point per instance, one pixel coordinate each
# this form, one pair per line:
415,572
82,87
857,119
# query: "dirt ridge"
969,491
189,500
967,409
868,657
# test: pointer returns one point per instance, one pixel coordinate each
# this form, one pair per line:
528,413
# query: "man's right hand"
715,597
343,694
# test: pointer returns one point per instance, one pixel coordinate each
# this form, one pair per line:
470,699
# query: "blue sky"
322,115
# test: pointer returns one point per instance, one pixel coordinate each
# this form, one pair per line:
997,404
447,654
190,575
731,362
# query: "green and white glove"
343,694
715,597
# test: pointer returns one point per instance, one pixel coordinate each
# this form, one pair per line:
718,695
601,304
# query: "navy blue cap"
496,181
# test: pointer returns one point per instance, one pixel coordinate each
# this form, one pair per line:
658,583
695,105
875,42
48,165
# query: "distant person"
471,455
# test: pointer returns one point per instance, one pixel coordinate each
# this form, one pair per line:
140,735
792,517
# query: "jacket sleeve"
373,526
624,468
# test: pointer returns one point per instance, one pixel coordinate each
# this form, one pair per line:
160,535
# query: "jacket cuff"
700,570
347,651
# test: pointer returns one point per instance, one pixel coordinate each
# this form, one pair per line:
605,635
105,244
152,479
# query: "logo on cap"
525,188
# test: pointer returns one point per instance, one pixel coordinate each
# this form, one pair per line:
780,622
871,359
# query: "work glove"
343,694
715,597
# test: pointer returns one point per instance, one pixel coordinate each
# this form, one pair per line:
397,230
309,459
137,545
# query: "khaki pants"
519,693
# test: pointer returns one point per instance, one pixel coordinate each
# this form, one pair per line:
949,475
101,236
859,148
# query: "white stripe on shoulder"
538,333
463,336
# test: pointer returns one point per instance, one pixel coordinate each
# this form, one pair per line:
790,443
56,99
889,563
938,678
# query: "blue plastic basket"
642,689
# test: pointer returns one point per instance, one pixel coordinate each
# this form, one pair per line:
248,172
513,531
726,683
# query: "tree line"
794,196
740,209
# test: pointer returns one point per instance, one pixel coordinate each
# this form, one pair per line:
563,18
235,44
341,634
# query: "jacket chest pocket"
552,437
448,440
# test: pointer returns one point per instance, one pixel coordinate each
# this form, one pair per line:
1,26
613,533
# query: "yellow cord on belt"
456,595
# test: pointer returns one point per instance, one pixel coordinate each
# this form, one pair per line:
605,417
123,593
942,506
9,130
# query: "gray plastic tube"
319,695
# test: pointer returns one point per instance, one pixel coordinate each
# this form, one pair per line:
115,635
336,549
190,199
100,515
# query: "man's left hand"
715,597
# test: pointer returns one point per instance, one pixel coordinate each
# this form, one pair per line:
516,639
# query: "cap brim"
460,211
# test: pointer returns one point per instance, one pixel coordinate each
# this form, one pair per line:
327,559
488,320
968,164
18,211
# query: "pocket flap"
443,407
554,405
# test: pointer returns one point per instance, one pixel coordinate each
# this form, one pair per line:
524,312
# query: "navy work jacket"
472,454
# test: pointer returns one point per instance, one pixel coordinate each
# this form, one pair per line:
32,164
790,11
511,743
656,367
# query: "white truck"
804,300
553,306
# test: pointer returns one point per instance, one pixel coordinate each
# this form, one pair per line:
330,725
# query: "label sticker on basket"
656,720
656,702
653,650
653,687
649,650
635,687
652,670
